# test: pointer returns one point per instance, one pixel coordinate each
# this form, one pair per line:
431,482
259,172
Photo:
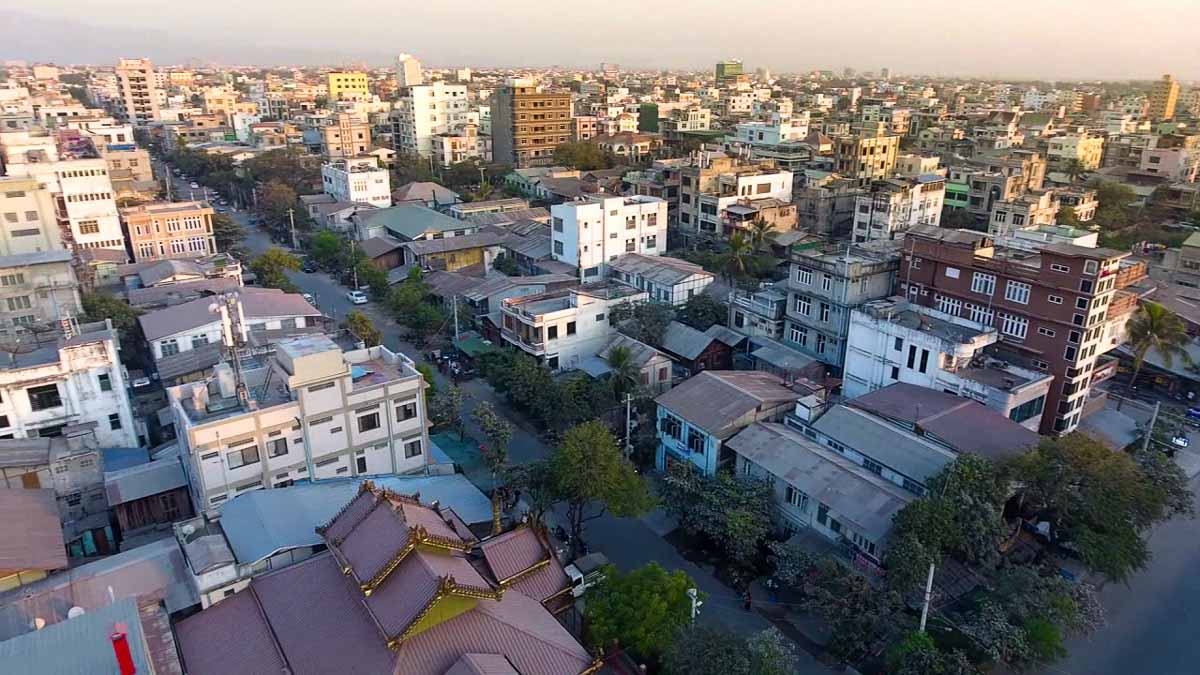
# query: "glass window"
412,449
44,397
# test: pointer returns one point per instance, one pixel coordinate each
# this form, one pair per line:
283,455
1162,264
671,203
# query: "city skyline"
1008,48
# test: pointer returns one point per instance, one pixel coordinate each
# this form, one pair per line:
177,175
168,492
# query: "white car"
356,297
195,186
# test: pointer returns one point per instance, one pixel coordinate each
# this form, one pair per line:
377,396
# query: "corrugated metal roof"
16,452
409,221
143,480
155,570
207,644
895,448
31,536
659,269
258,303
79,646
685,341
262,522
482,664
864,499
714,400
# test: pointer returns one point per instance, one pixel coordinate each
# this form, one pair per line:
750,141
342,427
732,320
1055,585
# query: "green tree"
640,611
447,409
277,206
1115,200
735,512
739,250
98,307
761,234
771,653
917,654
643,321
228,235
328,249
363,327
581,155
1066,217
1158,328
702,311
1095,500
426,372
861,617
495,453
374,278
1074,169
623,371
588,470
271,268
710,650
506,264
535,481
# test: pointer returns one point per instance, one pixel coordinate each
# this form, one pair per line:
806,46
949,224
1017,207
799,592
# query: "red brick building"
1057,309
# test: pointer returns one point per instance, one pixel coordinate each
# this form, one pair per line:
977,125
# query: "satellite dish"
74,612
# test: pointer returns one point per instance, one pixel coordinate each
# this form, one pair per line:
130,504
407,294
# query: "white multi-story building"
359,179
588,234
896,205
465,142
76,380
311,412
562,328
27,220
780,128
426,110
408,71
138,102
893,340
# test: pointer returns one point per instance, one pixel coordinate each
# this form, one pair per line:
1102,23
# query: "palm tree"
762,234
1074,169
1156,327
623,370
735,258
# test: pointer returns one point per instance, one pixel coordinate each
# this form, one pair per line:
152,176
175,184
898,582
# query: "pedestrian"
746,600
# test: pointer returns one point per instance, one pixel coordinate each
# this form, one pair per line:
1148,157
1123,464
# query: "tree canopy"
362,326
271,266
702,311
582,155
641,610
735,512
711,650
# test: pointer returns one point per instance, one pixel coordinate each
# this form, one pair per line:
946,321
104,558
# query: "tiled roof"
206,640
257,302
31,536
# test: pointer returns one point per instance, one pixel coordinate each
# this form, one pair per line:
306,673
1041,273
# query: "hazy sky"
1014,38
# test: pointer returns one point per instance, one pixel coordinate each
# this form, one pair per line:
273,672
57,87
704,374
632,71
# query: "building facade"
36,290
138,94
590,234
165,230
425,111
866,158
359,180
528,122
1163,99
896,205
348,84
345,135
562,328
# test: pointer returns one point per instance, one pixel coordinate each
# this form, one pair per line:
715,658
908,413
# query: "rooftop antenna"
234,336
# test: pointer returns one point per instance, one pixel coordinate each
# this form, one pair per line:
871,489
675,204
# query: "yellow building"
343,83
1163,99
165,230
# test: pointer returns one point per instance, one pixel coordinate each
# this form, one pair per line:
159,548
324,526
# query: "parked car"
585,572
1180,441
310,266
356,297
309,297
194,185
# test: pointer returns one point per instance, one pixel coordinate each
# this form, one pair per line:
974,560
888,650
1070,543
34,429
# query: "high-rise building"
728,70
1163,98
426,110
408,71
350,84
345,135
137,102
866,157
528,123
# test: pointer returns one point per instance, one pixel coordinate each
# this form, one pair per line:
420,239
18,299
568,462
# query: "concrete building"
778,128
584,127
912,165
893,340
1059,308
76,380
426,110
667,280
310,413
408,71
1029,211
462,144
1002,178
164,230
1086,149
138,96
683,120
347,84
898,204
528,122
758,314
823,286
727,71
866,157
28,223
1081,200
590,234
1163,99
563,328
344,135
713,184
36,290
358,180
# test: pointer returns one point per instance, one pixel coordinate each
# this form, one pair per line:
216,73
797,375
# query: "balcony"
526,342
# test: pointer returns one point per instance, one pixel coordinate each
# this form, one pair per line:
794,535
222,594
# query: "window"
1070,353
169,347
924,360
552,333
802,305
1042,330
44,397
199,341
320,387
277,447
1085,285
1060,268
799,335
360,464
984,284
872,466
105,382
895,372
820,344
1090,266
412,449
88,227
980,314
19,302
1054,299
570,328
406,411
1027,410
1017,291
826,282
114,421
951,306
795,497
695,440
824,312
243,456
1014,326
803,276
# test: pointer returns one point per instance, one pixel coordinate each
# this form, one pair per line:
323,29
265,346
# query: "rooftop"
715,400
257,303
79,645
659,269
31,536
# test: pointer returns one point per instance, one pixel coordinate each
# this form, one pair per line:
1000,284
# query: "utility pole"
928,598
292,220
456,318
353,266
628,425
1150,429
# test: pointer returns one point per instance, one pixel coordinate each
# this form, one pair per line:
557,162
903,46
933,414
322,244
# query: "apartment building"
36,290
563,328
165,230
727,71
777,128
28,223
348,85
311,412
358,180
138,94
528,122
1163,99
1088,150
408,71
866,157
897,204
1059,308
711,185
462,144
893,340
1028,211
75,381
1002,178
824,285
426,110
683,120
913,165
589,234
344,135
584,127
1081,200
129,166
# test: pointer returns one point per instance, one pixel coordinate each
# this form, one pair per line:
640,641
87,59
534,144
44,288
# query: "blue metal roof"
260,523
78,646
116,459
